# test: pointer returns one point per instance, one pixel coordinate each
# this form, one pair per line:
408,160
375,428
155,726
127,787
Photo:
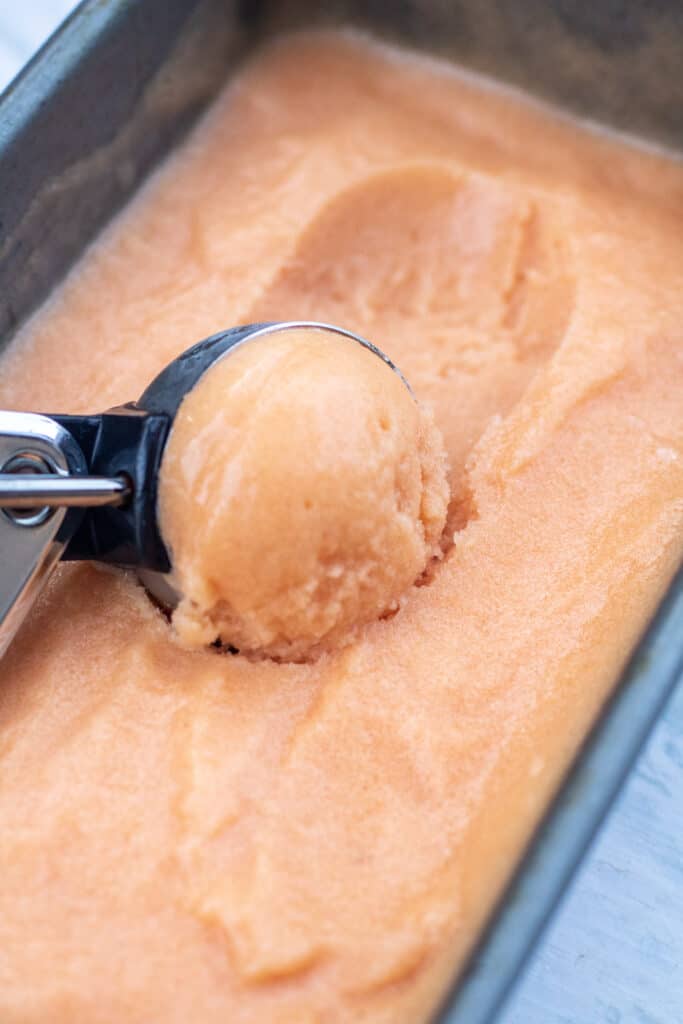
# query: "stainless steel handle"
33,450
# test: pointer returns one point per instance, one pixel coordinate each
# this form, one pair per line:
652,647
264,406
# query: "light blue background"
614,952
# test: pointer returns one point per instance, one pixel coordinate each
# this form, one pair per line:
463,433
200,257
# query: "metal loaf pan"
118,85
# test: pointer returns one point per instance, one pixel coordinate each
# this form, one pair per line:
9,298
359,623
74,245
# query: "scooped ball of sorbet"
302,492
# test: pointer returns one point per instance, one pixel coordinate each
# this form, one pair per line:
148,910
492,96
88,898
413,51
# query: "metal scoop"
85,487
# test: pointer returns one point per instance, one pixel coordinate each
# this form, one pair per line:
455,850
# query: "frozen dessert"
188,834
302,492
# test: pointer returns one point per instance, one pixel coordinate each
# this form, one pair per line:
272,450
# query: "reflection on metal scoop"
85,487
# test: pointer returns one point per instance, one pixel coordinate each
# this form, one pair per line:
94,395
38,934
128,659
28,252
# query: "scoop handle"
32,539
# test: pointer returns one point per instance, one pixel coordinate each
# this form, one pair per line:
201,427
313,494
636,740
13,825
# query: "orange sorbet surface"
187,835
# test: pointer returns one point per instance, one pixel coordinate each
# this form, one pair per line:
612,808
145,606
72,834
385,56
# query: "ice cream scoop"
275,499
302,491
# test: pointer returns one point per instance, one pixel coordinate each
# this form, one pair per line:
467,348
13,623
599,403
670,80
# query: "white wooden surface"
614,952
